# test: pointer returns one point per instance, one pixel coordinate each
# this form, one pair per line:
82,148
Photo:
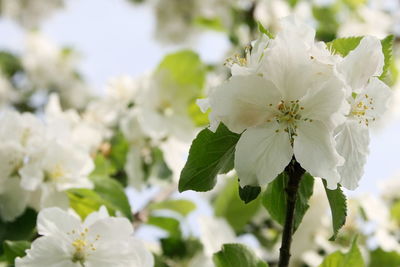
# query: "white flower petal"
55,221
324,102
134,168
288,66
111,228
314,149
47,251
242,102
32,175
379,93
93,217
363,62
291,26
352,143
214,232
13,200
261,154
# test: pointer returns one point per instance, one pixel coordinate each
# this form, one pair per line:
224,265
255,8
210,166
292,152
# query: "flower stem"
295,172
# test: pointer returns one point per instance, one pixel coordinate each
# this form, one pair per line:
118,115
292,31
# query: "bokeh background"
110,38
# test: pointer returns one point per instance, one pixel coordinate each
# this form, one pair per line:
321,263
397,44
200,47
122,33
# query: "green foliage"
210,154
119,150
380,258
395,212
229,205
199,118
354,3
103,166
9,63
20,229
343,46
337,202
171,225
353,258
14,249
237,255
182,74
181,206
107,192
210,23
113,194
327,22
387,49
263,30
177,248
249,193
274,198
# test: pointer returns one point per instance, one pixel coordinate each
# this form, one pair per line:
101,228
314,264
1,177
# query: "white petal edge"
261,154
314,148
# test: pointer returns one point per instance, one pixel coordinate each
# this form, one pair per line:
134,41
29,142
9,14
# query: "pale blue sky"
115,37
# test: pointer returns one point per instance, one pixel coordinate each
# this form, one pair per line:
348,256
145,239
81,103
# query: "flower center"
287,115
82,245
55,174
360,108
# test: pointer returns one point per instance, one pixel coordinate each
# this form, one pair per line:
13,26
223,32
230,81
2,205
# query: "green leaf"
229,205
23,228
354,3
237,255
337,202
182,74
249,193
380,258
85,201
119,151
13,249
112,193
9,63
210,23
171,225
210,154
343,46
274,198
263,30
181,206
328,25
352,258
177,248
103,166
395,212
199,118
107,192
387,49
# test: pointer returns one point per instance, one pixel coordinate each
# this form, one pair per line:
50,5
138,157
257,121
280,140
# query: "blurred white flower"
368,97
162,108
270,12
70,127
29,13
51,68
98,241
364,22
7,93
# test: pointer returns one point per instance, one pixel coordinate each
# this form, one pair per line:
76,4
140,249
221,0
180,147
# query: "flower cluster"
29,13
291,97
100,240
40,159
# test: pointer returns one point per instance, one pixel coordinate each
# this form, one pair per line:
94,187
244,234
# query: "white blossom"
29,13
368,97
291,106
98,241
